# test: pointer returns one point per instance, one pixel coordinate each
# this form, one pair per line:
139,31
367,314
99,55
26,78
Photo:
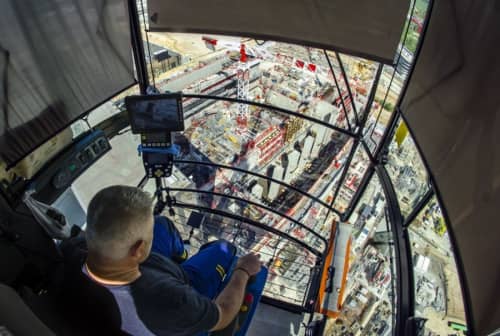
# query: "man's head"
120,224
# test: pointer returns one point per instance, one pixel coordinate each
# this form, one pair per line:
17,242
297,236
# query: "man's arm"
230,299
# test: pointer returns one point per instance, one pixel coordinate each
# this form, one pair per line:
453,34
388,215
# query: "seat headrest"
83,296
16,317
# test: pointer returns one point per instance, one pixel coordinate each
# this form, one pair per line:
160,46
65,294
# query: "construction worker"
132,254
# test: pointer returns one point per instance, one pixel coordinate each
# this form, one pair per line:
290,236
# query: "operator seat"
72,305
15,316
42,288
85,305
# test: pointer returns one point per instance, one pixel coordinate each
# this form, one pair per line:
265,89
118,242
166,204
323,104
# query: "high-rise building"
292,126
275,172
268,143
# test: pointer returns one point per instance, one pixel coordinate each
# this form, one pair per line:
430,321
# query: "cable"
147,41
5,76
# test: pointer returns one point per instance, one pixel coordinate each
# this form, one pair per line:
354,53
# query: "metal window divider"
339,92
138,47
404,270
349,91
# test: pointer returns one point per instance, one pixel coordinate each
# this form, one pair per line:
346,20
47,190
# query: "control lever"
247,304
240,318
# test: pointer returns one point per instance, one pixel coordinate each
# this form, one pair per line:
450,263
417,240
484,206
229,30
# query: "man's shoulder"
158,262
161,284
158,270
166,302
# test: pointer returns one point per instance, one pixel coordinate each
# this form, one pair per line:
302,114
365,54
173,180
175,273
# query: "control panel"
76,164
155,140
54,179
155,117
157,154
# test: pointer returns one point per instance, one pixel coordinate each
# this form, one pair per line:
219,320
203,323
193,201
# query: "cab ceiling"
366,28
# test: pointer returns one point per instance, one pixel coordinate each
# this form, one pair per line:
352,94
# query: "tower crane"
242,74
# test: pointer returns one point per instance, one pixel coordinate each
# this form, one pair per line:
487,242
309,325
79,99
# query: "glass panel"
289,264
121,165
299,153
254,212
386,96
393,78
357,170
438,294
360,75
406,169
110,108
160,57
105,111
368,307
294,77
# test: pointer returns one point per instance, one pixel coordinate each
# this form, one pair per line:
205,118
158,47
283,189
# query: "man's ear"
137,250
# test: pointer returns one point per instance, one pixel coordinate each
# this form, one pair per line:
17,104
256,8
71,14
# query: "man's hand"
250,263
230,299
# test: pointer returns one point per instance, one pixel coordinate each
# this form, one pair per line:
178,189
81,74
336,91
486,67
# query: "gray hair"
116,219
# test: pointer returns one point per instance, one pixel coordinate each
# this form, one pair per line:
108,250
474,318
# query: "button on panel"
96,148
103,144
82,158
88,154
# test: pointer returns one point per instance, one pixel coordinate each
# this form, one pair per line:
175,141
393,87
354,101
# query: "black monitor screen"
157,158
156,113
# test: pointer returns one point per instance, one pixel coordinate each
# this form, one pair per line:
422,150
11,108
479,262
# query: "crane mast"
243,75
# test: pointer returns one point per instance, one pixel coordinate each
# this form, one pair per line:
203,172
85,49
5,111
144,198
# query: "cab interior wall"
454,85
57,60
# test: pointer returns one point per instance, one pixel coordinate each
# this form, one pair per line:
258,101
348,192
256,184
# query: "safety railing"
292,267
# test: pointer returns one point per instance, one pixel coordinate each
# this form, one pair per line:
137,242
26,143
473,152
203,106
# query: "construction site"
297,152
329,153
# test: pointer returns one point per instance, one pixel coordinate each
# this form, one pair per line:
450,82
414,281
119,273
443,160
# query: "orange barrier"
324,276
325,304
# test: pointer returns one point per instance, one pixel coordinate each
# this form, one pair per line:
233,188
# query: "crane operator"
130,253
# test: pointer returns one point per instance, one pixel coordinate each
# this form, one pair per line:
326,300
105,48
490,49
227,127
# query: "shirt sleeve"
177,309
201,313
